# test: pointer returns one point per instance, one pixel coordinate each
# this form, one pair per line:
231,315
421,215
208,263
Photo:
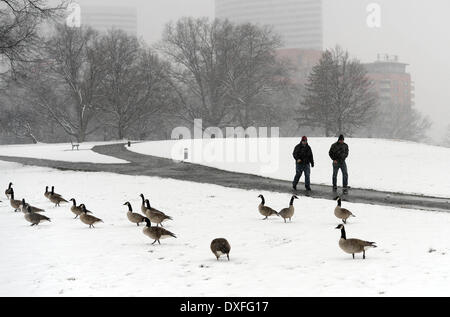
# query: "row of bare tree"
77,83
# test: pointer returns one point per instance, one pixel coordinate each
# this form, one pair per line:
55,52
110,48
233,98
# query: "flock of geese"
350,246
219,247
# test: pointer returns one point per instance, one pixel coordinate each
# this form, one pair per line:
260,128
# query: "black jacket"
304,153
338,152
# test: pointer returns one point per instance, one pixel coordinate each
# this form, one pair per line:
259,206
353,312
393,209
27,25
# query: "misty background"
415,30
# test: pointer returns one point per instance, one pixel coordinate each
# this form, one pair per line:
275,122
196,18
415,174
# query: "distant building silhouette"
391,81
298,22
105,18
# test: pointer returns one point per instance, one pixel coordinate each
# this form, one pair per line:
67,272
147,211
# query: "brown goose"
353,246
155,215
220,247
34,218
156,233
287,213
14,203
9,190
342,213
143,208
76,209
134,217
264,210
88,219
56,198
25,207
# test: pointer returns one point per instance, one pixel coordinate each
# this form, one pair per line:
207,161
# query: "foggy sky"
416,30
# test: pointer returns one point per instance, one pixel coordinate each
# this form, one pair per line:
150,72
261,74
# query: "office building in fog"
391,81
107,17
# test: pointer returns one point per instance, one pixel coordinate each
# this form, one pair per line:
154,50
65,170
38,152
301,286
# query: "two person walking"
304,160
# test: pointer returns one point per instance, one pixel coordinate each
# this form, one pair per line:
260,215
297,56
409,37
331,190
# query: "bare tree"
400,122
19,27
64,87
222,72
134,85
339,96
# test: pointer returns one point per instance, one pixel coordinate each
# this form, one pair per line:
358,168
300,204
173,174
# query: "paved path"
153,166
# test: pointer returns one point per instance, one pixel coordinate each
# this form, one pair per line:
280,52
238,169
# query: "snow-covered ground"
60,152
268,258
398,166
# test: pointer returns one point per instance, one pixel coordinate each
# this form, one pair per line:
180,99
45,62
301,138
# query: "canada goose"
155,215
14,203
34,218
287,213
9,190
156,233
76,209
56,198
33,209
88,219
353,246
265,210
47,193
220,247
134,217
143,208
342,213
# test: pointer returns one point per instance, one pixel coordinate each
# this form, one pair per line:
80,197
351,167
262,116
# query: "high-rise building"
107,17
391,81
299,22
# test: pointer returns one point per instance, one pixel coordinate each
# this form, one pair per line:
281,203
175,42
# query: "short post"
129,143
186,153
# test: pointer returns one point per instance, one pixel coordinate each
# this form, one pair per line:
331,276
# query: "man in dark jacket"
303,158
338,153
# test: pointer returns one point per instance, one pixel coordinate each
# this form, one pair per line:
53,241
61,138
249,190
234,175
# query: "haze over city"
412,29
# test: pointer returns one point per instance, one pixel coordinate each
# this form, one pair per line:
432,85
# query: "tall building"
299,22
391,81
107,17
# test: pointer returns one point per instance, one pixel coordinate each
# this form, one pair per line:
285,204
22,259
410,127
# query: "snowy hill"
60,152
302,258
397,166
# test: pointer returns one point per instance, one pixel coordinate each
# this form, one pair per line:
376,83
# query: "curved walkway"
145,165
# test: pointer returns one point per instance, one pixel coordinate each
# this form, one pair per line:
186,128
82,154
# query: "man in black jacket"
338,153
303,158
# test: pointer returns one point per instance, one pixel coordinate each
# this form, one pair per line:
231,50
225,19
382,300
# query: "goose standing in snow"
287,213
9,190
88,219
353,246
76,210
220,247
14,203
264,210
342,213
25,207
155,215
34,218
134,217
56,198
143,208
156,233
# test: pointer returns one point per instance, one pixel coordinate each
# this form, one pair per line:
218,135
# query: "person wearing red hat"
303,160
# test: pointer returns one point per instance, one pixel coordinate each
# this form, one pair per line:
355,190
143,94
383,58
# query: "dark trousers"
343,167
300,168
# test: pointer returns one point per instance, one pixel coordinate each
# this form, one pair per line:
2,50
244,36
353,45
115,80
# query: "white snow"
60,152
386,165
268,258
